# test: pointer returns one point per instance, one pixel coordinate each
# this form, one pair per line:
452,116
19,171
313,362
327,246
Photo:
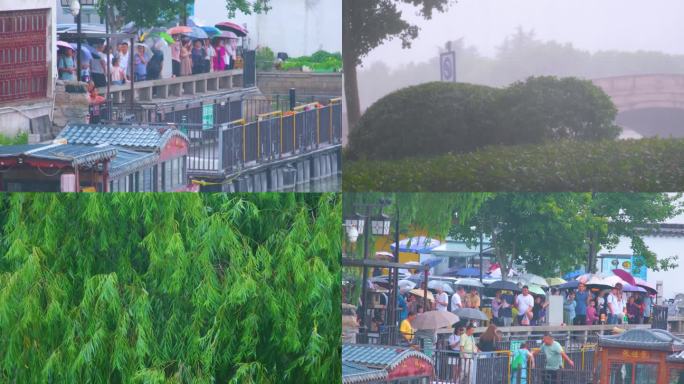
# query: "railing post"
280,138
258,154
220,147
318,127
244,142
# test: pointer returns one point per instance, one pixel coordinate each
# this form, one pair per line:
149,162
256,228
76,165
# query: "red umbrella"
624,275
179,30
232,27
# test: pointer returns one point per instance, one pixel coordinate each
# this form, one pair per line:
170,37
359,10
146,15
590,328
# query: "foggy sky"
627,25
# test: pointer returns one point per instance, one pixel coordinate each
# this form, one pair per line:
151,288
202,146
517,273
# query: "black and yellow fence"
271,137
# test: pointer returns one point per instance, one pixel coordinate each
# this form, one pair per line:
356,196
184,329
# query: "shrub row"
646,165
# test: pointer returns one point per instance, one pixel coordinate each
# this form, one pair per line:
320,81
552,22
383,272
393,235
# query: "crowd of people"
188,57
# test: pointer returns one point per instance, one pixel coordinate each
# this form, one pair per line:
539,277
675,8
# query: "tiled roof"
127,161
663,230
378,356
676,358
654,339
130,136
74,153
354,374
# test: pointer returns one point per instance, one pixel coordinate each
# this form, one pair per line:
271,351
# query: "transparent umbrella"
434,320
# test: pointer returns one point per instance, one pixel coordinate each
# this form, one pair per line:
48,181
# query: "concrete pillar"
316,167
307,171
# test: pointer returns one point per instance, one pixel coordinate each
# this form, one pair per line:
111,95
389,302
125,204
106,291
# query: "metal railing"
273,136
453,367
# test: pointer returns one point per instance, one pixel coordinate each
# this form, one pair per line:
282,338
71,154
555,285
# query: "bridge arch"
648,105
644,91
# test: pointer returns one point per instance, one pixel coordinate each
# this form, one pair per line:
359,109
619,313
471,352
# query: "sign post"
447,65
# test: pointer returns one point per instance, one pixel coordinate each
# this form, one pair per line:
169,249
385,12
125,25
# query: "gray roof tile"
654,339
129,136
378,356
354,374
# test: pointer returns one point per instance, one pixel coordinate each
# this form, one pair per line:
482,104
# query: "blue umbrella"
463,272
573,274
197,33
211,31
85,52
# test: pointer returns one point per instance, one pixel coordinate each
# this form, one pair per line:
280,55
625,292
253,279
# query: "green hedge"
321,61
19,138
646,165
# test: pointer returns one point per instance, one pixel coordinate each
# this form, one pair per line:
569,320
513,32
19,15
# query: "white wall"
298,27
15,116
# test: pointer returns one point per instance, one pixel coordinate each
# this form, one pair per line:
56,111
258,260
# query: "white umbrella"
148,52
434,284
406,284
531,278
468,283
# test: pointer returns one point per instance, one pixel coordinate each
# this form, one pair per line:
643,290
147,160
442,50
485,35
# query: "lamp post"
379,226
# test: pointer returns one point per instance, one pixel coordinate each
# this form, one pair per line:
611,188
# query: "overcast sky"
628,25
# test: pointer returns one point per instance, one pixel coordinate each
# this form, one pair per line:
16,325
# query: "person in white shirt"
524,302
457,299
441,299
616,305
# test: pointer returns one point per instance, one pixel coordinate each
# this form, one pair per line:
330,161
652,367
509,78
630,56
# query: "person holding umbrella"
457,299
66,65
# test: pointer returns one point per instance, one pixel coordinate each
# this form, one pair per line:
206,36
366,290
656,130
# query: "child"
591,312
519,362
118,74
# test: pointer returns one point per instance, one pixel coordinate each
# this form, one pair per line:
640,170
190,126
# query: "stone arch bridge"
648,105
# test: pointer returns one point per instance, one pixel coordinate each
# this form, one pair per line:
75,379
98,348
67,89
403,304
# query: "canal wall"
306,83
287,175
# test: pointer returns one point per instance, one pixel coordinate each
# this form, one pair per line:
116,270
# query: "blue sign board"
632,264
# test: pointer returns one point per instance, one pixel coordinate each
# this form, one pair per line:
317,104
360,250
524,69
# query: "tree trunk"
350,60
591,262
351,94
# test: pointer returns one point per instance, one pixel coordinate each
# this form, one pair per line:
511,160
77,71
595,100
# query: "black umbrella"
502,285
572,284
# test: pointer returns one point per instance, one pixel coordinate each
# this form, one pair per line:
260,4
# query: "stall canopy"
418,244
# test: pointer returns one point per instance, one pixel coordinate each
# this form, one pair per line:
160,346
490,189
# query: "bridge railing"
240,144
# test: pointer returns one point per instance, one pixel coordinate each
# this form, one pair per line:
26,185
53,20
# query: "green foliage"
547,108
552,233
437,118
265,58
646,165
151,13
320,61
19,138
177,288
425,120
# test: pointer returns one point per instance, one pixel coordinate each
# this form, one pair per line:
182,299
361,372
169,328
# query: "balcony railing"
274,136
150,90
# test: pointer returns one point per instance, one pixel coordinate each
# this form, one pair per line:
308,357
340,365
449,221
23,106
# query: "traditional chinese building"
27,64
639,356
100,158
385,364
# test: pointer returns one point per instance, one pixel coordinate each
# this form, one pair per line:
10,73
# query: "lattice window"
23,55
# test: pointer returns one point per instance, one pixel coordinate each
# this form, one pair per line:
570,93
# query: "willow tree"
175,288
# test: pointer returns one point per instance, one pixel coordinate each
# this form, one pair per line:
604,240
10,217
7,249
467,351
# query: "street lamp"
380,225
357,221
